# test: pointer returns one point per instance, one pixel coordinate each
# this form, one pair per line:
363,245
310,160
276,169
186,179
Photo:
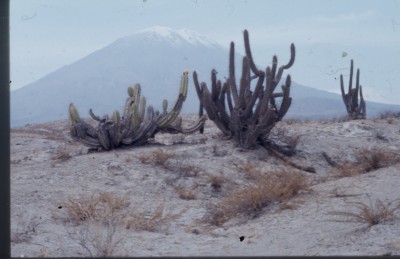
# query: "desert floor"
201,195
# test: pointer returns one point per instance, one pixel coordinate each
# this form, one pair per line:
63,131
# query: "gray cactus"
245,114
137,125
354,108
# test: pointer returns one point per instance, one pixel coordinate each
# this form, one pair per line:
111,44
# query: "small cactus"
355,109
136,126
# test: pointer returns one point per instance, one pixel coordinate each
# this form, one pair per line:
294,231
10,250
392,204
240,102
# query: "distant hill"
155,58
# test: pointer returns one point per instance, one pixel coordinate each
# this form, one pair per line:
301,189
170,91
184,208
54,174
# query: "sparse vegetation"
158,157
98,207
186,193
392,115
373,213
61,155
154,221
367,160
249,200
24,232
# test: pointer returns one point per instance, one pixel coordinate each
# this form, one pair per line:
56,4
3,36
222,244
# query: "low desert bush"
93,221
157,158
373,213
186,193
151,221
367,160
250,199
100,207
61,155
24,232
389,115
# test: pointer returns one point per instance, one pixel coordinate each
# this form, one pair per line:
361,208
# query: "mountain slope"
155,58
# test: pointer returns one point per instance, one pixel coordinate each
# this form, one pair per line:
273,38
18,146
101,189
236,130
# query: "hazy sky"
47,34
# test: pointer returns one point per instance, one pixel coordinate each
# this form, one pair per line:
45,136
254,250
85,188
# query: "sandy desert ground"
201,195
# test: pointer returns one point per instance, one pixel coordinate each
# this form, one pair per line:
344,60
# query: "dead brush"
152,221
250,199
374,159
371,214
99,207
186,193
367,160
157,158
61,155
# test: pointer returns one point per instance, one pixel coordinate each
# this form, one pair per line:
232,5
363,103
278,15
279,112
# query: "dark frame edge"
5,232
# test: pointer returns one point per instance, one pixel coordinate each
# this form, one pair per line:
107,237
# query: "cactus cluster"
245,114
355,109
137,124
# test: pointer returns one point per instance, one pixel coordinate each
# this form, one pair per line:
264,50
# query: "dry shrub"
367,160
153,221
250,170
24,232
186,170
371,214
99,207
250,199
61,155
186,193
157,158
391,120
144,158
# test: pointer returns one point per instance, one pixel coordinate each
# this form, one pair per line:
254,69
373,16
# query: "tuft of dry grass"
186,193
157,158
61,155
371,214
98,207
367,160
250,199
153,221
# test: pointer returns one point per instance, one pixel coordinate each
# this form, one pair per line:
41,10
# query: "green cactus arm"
232,80
116,117
167,118
130,91
165,106
73,114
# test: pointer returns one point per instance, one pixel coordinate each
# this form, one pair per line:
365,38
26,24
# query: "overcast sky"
47,34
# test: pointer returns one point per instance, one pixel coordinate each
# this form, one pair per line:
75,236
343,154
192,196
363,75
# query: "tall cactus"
136,126
355,109
245,114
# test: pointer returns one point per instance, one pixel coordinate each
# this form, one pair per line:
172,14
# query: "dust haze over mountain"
154,57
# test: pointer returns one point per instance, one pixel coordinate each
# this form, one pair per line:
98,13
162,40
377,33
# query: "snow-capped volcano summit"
175,37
